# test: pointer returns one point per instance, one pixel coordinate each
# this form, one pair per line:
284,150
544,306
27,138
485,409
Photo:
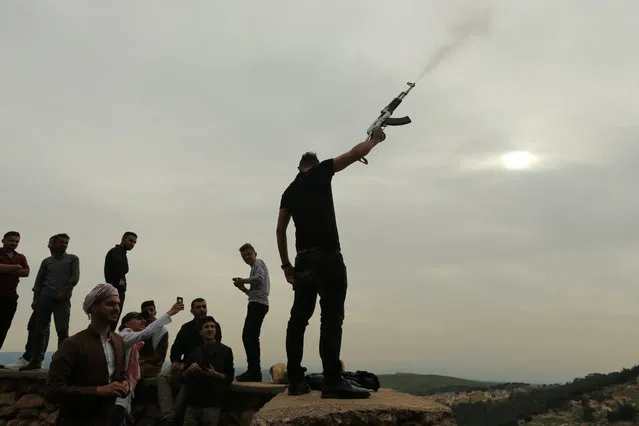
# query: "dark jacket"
187,339
207,391
116,265
77,368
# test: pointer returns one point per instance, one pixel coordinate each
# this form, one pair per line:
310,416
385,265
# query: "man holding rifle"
319,267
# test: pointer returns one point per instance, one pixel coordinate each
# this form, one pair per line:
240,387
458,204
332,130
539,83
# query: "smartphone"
179,299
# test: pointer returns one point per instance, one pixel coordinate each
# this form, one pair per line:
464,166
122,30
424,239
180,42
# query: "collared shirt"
57,272
259,292
109,354
9,281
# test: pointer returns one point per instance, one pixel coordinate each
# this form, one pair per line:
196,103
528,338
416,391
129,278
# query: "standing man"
13,266
88,371
27,356
52,291
257,309
116,264
319,267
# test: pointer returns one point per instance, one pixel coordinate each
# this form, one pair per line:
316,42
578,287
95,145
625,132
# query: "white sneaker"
21,362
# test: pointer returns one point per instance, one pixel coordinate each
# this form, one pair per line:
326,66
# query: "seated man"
153,353
169,379
134,331
208,373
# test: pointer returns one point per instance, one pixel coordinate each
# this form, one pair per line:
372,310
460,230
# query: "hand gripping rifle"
385,118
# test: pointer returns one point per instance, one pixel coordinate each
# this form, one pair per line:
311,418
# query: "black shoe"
344,390
248,376
298,388
31,366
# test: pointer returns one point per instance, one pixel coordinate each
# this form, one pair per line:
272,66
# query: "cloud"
185,124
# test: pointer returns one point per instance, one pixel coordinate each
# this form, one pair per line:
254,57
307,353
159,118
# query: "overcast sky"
184,123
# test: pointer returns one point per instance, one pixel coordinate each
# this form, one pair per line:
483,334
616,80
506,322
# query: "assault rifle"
385,118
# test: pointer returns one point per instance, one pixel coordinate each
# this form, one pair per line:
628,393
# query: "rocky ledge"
384,407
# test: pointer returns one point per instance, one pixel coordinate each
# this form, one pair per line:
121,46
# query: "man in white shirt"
258,305
134,331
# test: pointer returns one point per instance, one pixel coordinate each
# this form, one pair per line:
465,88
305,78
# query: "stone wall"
22,403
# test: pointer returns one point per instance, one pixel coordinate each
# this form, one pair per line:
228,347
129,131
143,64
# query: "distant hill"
426,384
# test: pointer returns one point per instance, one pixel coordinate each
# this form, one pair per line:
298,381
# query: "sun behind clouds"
518,160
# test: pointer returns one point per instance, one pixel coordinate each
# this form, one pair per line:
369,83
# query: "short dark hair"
207,319
246,246
11,234
147,303
129,233
309,159
62,236
197,299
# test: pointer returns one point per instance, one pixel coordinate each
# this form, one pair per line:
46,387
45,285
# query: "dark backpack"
362,379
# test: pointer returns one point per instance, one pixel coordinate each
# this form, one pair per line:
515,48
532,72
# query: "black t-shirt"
309,200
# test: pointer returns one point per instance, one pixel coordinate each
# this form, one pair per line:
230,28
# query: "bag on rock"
362,379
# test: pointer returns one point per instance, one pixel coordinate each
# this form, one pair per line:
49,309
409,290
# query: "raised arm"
358,151
132,337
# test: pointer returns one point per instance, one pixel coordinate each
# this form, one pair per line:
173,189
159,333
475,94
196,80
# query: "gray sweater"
55,273
259,292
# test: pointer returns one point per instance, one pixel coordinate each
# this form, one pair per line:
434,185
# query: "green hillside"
424,384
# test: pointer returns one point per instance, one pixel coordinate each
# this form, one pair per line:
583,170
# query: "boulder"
384,407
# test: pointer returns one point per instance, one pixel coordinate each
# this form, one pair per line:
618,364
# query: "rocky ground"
598,404
385,407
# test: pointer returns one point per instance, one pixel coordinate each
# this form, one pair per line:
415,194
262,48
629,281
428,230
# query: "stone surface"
258,387
385,407
30,400
8,398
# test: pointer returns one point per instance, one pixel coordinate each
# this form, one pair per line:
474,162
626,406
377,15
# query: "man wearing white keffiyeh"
134,331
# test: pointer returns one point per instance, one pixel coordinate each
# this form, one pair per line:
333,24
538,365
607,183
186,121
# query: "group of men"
201,367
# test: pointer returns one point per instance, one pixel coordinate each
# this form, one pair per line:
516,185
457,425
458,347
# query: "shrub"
624,412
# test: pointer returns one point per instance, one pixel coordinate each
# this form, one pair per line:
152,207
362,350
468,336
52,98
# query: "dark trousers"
8,307
28,348
48,305
323,274
255,314
121,294
118,416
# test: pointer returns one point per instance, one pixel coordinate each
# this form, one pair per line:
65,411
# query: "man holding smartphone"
258,291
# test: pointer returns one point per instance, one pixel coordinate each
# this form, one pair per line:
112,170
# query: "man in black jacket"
208,374
116,264
186,340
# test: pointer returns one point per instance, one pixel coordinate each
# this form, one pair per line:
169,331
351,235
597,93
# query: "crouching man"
207,376
87,373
